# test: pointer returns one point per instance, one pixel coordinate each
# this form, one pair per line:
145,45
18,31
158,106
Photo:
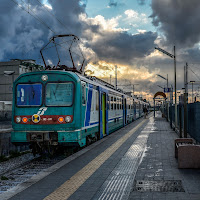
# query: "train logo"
41,111
36,118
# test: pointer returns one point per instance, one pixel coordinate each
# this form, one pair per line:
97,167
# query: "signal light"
61,119
25,119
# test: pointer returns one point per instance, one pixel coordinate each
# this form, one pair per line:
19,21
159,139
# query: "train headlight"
44,77
18,119
68,119
25,119
61,119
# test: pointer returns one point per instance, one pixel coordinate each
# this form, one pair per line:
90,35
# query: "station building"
9,71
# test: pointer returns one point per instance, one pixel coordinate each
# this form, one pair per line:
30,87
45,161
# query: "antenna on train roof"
72,54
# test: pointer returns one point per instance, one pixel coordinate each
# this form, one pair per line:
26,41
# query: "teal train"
56,108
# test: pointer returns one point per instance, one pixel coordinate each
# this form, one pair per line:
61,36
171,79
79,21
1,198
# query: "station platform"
135,162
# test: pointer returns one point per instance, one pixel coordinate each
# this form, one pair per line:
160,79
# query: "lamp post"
174,57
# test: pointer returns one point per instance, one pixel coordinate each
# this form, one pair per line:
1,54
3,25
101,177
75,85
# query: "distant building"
9,71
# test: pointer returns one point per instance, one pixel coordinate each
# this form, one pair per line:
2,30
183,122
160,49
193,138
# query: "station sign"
167,90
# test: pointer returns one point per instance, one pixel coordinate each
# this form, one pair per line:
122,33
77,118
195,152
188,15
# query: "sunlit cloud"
134,16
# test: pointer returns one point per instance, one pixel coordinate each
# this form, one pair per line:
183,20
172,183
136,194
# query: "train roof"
92,80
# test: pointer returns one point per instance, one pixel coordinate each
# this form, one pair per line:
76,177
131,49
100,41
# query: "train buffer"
135,162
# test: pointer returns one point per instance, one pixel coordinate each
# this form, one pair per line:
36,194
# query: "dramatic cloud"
22,35
178,20
133,16
123,47
104,42
113,44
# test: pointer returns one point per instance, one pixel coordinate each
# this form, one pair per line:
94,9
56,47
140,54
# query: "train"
58,108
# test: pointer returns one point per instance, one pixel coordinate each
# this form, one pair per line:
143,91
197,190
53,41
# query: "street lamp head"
192,81
161,76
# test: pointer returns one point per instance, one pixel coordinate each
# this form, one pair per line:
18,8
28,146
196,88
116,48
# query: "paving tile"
160,156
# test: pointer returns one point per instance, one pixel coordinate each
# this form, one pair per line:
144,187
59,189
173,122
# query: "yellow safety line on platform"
71,185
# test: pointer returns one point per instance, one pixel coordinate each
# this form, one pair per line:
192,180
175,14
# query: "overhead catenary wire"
194,73
61,24
53,15
35,16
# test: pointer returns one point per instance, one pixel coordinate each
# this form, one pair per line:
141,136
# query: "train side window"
97,100
83,94
111,102
114,103
108,102
93,100
117,104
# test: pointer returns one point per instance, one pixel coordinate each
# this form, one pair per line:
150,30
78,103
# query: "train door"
103,113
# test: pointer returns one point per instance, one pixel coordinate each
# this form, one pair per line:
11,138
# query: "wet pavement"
158,176
134,163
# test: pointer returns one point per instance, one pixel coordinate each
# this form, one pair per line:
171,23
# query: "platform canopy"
160,94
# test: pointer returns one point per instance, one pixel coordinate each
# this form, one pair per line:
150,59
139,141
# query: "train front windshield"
59,94
56,94
29,94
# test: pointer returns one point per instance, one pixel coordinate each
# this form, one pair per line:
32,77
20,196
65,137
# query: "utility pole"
110,78
192,91
116,76
175,87
174,57
167,82
186,79
134,88
185,99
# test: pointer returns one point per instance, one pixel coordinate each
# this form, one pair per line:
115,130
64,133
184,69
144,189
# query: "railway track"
24,172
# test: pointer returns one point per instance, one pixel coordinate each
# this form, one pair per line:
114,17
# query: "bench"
187,153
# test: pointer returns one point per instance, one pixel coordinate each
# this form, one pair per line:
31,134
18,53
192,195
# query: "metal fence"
193,118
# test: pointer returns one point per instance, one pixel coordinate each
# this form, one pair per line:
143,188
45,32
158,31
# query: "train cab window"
83,94
29,94
59,94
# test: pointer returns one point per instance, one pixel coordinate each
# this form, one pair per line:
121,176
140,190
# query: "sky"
122,33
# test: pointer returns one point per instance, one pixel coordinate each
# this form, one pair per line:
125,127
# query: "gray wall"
7,81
